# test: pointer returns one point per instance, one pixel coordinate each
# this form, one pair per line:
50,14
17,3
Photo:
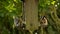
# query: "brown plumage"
43,22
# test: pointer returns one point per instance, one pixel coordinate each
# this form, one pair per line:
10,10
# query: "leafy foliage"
8,9
48,8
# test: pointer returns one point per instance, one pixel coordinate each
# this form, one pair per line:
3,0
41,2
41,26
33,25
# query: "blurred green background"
10,8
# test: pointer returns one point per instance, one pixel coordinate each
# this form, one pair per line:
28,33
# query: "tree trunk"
31,14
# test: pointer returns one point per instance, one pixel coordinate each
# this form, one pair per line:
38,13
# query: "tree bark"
31,14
